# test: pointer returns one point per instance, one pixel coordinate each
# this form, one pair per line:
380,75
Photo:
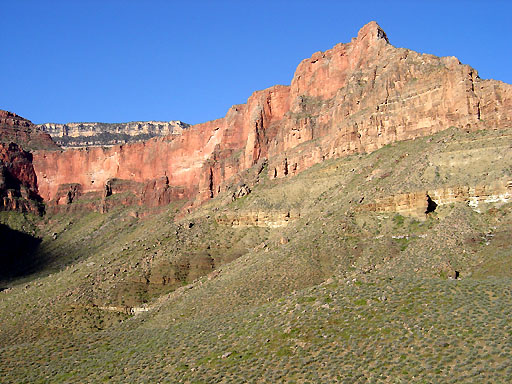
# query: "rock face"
258,219
16,129
18,181
356,97
18,185
75,135
418,204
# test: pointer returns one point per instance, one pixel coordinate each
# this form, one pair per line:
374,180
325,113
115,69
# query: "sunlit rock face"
355,97
418,204
16,129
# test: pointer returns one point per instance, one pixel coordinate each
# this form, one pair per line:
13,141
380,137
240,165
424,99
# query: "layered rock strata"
269,219
18,185
16,129
76,135
419,203
356,97
18,181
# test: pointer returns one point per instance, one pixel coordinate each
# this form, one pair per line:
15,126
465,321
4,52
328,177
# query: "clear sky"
123,60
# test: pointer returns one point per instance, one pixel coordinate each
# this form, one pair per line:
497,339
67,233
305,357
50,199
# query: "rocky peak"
372,32
356,97
322,75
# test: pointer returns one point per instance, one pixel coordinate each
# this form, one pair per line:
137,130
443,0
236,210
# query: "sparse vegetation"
338,294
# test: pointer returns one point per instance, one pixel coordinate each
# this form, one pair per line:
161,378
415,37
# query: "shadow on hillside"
18,256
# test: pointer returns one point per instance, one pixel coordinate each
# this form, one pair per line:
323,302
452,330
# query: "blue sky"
122,60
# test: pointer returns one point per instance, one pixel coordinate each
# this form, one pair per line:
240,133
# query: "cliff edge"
353,98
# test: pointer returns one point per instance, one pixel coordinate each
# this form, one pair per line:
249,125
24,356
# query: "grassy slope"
386,312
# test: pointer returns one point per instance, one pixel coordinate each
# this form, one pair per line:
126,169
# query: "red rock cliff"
18,185
18,182
16,129
355,97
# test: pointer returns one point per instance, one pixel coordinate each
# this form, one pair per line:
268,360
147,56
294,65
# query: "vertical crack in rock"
210,182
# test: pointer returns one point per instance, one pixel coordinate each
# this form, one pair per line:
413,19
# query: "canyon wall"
18,186
356,97
18,181
76,135
16,129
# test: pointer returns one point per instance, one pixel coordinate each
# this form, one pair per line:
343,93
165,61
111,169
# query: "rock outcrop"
18,184
77,135
18,181
419,203
16,129
271,219
356,97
